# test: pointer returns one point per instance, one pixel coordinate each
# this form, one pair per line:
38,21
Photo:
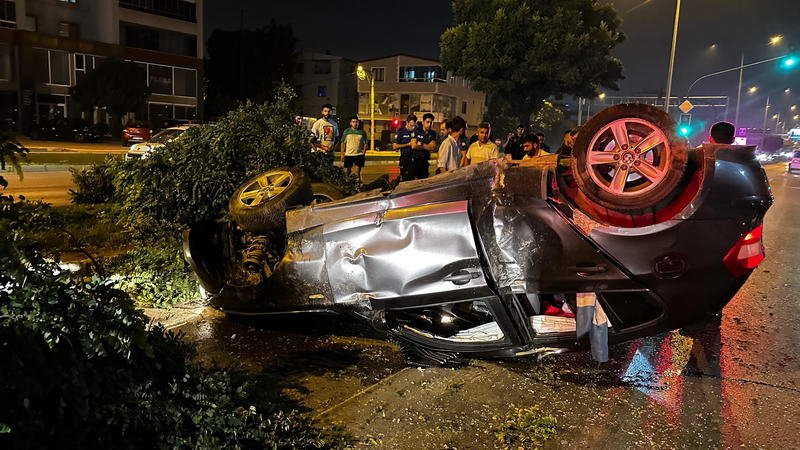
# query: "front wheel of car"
259,205
628,159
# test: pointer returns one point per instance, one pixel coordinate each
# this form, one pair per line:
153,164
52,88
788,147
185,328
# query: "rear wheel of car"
628,159
325,193
259,205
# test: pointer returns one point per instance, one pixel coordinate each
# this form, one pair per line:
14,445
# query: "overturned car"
488,260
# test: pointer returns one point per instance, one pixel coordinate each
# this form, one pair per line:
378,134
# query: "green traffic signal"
790,62
684,131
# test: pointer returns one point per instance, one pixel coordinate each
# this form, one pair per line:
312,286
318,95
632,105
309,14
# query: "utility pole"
739,92
672,54
764,124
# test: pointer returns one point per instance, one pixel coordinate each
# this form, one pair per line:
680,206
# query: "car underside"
492,259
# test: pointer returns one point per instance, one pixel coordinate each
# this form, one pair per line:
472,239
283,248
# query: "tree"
525,51
118,86
548,116
247,65
10,153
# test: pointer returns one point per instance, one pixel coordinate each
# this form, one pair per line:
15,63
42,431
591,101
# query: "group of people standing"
417,140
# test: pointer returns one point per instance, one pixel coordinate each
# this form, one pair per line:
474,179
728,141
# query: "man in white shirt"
481,150
324,131
450,149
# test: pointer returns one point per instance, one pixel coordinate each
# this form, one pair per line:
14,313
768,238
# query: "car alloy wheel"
265,187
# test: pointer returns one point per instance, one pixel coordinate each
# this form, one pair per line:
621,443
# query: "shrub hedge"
193,177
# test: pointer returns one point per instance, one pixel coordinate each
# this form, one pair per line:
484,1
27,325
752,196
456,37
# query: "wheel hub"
628,157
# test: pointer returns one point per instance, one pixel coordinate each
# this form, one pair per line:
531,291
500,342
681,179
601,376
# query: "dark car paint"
558,256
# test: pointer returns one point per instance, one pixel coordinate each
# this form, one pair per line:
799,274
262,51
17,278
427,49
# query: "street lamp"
753,89
363,75
740,68
672,53
602,96
775,40
787,91
793,107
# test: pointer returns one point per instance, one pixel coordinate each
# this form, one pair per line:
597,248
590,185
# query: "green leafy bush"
155,274
81,370
193,177
94,184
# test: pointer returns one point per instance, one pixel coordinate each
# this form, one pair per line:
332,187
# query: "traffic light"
685,125
790,62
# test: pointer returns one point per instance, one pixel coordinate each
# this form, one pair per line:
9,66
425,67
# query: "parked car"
136,131
470,263
794,163
159,140
66,129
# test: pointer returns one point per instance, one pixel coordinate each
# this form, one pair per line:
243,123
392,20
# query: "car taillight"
746,254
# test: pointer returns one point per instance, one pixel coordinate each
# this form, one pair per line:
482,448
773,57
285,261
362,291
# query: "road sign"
686,106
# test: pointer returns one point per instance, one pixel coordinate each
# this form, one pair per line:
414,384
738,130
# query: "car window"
796,155
166,136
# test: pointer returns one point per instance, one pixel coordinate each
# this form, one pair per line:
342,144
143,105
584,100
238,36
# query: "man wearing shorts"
354,146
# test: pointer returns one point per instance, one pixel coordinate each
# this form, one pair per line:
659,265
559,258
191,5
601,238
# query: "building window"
159,78
8,13
185,112
322,91
176,9
156,39
5,62
422,74
52,66
185,82
322,66
378,73
66,29
463,107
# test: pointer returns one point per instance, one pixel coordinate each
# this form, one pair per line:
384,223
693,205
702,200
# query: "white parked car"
159,140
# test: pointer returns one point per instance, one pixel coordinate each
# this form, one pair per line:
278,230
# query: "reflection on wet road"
732,385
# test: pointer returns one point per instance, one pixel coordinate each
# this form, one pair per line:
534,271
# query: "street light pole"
672,54
764,124
363,75
371,113
739,91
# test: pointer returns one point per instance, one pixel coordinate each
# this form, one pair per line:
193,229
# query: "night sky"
367,29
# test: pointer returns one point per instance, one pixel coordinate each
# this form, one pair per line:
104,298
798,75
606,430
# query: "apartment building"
324,78
46,46
406,84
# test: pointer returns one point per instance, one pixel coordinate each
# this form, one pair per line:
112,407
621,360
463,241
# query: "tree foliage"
82,369
247,65
192,178
525,51
548,116
11,152
118,86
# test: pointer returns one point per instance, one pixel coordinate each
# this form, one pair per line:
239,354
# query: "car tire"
325,193
259,204
641,174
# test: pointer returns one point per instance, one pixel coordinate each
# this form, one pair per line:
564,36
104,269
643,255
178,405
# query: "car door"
405,256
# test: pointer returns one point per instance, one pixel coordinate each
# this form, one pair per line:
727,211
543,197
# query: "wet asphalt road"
733,386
